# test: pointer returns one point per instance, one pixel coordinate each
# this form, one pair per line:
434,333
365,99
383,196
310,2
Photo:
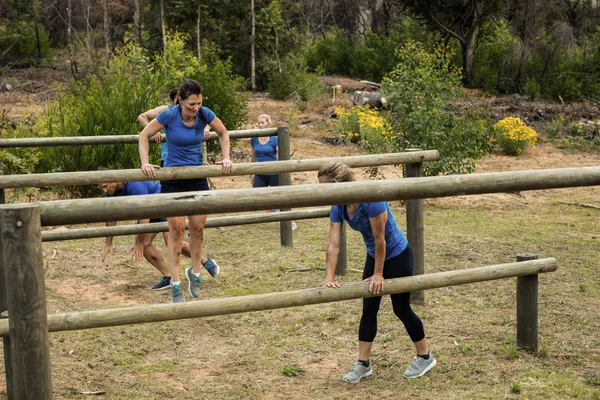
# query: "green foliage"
556,127
419,91
18,42
515,388
109,103
294,78
20,160
532,89
292,370
511,350
367,127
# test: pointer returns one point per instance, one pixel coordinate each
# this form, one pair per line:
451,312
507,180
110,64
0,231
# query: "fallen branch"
298,270
574,203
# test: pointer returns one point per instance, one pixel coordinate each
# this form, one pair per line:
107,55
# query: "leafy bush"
20,160
294,78
532,89
419,91
513,136
18,43
367,127
556,127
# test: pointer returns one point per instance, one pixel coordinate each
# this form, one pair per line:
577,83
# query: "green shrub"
556,127
18,42
109,103
532,89
294,78
367,127
20,160
419,91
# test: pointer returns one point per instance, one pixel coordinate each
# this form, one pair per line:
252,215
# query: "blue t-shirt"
394,238
137,188
265,152
164,151
183,142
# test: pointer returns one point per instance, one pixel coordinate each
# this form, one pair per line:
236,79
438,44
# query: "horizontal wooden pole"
271,301
138,229
209,171
116,139
64,212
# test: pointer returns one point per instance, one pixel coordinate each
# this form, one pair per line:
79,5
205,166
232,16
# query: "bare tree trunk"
137,27
88,28
70,41
37,32
468,49
164,28
252,49
198,38
106,33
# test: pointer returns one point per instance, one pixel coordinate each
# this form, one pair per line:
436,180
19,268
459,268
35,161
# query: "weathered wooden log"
26,298
138,229
116,139
271,301
208,171
237,200
285,179
527,308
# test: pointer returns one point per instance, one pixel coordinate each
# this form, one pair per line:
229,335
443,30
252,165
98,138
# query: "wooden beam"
26,298
271,301
137,229
207,171
116,139
285,179
237,200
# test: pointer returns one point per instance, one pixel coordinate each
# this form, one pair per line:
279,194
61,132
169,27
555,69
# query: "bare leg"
421,347
185,247
175,240
153,256
364,350
196,226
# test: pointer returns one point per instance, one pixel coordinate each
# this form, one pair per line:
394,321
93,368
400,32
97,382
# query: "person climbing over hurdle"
143,242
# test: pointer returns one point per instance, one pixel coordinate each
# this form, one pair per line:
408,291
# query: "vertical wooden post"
204,153
3,310
527,308
342,265
414,227
26,298
285,179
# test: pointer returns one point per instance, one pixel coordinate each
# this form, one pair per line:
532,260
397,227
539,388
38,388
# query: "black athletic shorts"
184,185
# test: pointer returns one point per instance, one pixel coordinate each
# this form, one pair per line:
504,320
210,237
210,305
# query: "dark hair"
173,94
188,88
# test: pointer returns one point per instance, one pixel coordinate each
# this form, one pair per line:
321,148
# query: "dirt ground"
243,356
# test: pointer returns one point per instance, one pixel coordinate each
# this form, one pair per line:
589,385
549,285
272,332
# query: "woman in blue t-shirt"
388,256
264,149
184,127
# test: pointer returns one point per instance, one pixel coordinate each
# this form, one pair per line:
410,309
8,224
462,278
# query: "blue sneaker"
164,283
193,282
176,294
212,267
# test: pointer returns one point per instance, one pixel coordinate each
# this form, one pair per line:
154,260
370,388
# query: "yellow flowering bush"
513,136
367,127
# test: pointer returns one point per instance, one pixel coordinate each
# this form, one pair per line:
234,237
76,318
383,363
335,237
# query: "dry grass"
471,329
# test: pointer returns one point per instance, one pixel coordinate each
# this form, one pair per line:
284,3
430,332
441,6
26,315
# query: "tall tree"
163,28
106,32
69,40
198,37
137,26
252,49
460,19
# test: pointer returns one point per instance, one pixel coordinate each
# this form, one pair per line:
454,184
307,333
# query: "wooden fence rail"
270,301
138,229
237,200
116,139
209,171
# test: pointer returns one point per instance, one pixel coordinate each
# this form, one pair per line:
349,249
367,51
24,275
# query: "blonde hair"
336,172
265,117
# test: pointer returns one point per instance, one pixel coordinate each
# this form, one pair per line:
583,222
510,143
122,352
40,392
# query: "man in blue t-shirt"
143,242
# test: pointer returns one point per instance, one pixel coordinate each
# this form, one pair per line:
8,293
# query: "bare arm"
149,115
220,129
108,246
378,228
143,145
333,251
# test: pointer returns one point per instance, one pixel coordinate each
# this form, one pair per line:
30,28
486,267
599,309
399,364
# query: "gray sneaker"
419,367
176,294
358,371
193,282
212,267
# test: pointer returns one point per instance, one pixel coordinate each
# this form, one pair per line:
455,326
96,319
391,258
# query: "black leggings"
399,266
265,180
